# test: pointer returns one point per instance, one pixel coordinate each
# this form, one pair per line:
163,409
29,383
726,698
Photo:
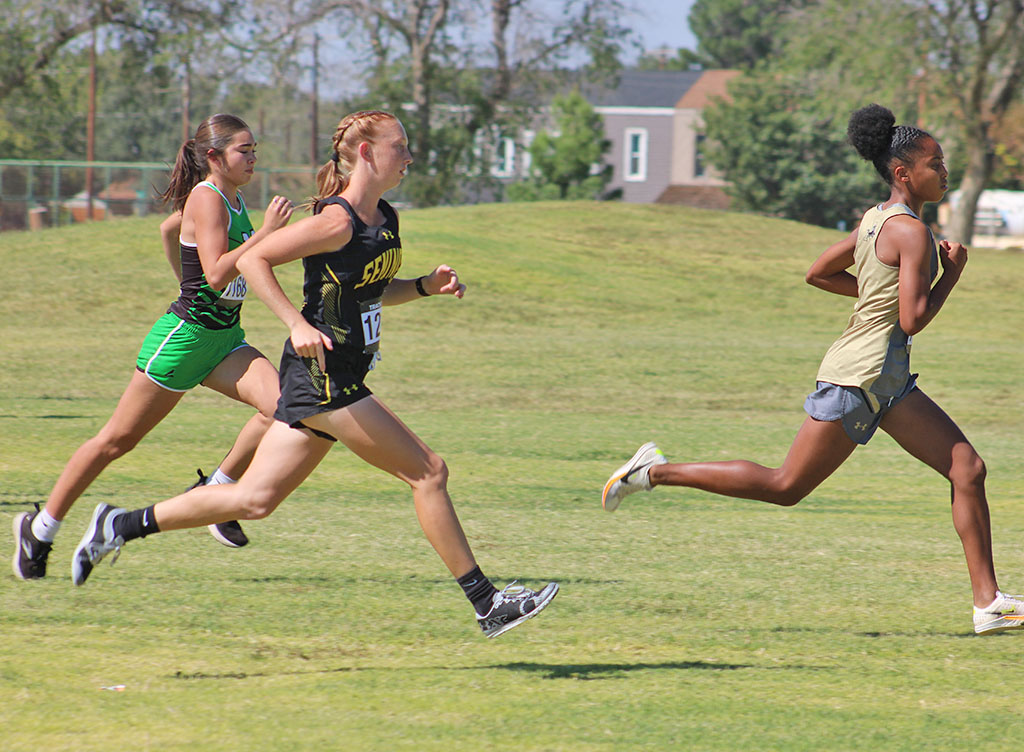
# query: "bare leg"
818,449
142,406
927,433
379,437
245,375
284,459
287,455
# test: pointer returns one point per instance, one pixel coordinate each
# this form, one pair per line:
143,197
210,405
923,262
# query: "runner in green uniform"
199,340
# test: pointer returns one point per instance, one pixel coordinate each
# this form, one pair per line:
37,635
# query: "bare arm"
919,301
828,272
322,233
442,281
169,232
209,224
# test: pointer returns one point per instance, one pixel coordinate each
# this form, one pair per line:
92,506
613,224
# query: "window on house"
526,158
635,154
699,165
504,158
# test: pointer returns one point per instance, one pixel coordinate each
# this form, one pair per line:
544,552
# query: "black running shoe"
228,533
201,482
98,541
30,553
512,606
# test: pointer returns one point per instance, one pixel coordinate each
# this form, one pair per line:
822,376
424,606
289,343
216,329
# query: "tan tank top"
873,353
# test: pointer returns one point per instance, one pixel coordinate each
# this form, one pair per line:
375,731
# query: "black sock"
478,589
137,523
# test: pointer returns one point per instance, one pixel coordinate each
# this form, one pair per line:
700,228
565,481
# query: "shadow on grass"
578,671
202,675
947,635
531,581
873,634
590,671
54,416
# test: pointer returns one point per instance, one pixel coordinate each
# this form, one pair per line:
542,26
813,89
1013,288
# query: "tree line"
463,74
952,67
460,73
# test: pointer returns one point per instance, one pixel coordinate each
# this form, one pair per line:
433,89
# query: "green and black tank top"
199,303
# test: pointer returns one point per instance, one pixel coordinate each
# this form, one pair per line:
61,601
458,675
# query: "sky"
662,23
657,23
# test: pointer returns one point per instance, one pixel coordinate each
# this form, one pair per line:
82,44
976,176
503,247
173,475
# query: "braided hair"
333,176
876,137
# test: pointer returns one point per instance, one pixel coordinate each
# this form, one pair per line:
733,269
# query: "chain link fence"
42,193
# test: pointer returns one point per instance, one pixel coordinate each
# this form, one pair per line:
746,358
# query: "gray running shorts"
850,405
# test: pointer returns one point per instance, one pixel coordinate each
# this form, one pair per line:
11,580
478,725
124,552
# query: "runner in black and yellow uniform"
342,294
198,341
351,253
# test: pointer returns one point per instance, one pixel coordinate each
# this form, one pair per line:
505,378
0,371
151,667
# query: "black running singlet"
343,288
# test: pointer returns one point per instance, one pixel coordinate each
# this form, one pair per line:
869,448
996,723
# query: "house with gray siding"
653,120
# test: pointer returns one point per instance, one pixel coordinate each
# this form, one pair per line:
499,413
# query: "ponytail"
330,181
186,174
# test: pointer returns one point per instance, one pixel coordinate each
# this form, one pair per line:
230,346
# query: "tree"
980,56
427,54
683,59
43,73
952,67
454,69
1009,140
35,33
739,33
783,160
567,161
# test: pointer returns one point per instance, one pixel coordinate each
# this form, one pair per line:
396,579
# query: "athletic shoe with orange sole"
631,477
1005,612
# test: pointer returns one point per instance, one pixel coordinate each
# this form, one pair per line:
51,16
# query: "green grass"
685,621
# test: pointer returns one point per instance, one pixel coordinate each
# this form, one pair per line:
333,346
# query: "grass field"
685,621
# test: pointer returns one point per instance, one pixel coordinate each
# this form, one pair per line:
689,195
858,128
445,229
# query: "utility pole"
314,104
186,102
90,126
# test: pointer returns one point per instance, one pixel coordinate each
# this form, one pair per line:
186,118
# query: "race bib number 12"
370,313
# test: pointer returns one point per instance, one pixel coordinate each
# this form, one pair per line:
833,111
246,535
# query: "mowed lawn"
685,621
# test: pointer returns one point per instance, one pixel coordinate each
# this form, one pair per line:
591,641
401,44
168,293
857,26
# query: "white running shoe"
98,541
1005,612
632,477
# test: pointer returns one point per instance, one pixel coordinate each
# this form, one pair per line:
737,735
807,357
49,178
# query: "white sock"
44,527
218,477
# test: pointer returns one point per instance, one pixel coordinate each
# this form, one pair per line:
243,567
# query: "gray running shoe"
98,541
30,553
513,605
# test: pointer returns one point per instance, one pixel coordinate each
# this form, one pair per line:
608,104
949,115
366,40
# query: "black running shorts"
306,391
